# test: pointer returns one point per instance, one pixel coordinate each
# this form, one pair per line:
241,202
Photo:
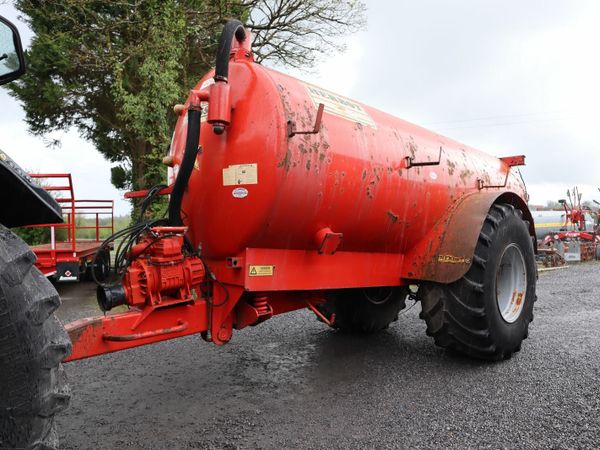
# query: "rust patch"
370,189
308,165
393,217
412,148
451,167
287,160
364,174
465,174
82,326
486,178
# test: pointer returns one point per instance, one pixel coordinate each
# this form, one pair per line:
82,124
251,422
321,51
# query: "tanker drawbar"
284,195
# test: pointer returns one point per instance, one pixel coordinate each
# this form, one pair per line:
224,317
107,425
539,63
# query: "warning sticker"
240,174
339,105
261,271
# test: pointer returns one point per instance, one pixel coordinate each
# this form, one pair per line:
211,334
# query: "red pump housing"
160,270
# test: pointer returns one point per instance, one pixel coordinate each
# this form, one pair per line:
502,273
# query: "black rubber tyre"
32,345
364,310
465,316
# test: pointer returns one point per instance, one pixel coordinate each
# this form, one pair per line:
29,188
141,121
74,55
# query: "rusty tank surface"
379,182
284,195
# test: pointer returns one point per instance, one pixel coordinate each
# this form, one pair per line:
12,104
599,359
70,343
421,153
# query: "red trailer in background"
68,256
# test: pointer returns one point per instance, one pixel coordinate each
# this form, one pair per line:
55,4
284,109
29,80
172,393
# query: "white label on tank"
240,192
240,174
339,105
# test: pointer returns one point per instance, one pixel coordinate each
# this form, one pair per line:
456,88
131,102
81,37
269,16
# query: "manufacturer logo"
451,259
240,192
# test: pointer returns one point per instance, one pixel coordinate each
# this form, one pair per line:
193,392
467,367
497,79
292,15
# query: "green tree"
113,70
33,236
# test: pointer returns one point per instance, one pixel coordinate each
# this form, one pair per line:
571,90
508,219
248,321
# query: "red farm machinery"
69,255
286,196
568,235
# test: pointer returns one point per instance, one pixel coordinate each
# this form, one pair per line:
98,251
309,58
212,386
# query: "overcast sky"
508,77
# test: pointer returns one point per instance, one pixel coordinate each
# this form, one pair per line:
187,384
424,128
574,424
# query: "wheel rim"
511,283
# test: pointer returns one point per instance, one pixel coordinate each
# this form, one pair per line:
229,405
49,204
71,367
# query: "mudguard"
446,252
23,201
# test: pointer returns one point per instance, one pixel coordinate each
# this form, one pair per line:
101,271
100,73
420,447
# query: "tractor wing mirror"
12,61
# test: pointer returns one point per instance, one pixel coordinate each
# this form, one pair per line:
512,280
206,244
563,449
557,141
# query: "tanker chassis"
285,196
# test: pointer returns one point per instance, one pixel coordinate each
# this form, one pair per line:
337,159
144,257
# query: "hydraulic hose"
232,28
187,165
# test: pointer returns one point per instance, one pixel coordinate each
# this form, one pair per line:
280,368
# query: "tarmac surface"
293,383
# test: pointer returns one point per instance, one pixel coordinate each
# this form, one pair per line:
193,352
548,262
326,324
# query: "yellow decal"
450,259
261,271
549,225
340,106
240,174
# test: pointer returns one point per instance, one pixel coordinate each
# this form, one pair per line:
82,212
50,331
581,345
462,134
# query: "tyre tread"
458,324
32,347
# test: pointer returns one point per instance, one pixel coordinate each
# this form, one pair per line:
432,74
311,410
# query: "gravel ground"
293,383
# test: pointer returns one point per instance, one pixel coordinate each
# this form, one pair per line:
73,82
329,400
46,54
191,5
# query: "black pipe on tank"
187,165
232,28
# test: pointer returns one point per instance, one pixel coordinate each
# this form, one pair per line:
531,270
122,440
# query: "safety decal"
340,106
240,174
261,271
240,192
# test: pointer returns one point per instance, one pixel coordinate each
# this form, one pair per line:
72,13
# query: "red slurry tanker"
284,196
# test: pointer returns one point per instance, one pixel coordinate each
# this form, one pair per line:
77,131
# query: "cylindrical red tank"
259,186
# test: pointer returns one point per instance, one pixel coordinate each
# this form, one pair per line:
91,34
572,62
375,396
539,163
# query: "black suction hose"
232,28
185,169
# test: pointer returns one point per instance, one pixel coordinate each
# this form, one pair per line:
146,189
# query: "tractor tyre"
486,313
364,310
32,345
